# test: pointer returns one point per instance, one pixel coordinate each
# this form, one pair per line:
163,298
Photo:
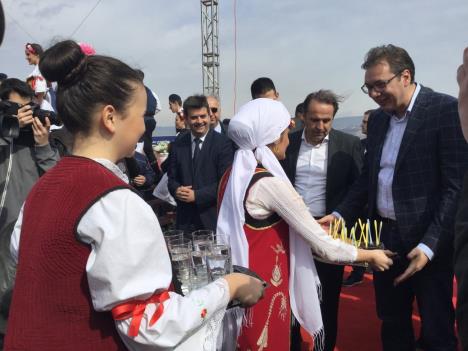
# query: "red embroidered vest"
51,307
268,322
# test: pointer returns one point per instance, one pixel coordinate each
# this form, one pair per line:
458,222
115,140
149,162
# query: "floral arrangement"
161,147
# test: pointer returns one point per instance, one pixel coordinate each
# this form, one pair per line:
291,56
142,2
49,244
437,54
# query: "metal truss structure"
210,49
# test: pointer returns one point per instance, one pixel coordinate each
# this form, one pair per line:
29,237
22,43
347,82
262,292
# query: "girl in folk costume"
35,79
93,270
271,231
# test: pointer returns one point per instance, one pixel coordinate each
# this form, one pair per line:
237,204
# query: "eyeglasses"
378,86
214,109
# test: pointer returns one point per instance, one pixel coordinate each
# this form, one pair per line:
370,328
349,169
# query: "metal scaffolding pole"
210,49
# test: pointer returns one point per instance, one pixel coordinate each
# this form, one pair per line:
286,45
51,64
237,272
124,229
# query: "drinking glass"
173,235
181,258
202,240
199,277
202,243
218,262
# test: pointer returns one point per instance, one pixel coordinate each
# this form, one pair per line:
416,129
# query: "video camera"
9,124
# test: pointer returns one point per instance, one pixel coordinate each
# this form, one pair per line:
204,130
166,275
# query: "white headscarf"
258,123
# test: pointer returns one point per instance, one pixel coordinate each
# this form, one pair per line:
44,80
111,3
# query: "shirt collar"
111,166
325,140
410,106
192,137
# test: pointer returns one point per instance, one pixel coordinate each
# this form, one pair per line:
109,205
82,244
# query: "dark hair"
260,86
140,73
299,109
324,96
85,82
37,49
368,112
195,102
3,76
20,87
175,98
397,58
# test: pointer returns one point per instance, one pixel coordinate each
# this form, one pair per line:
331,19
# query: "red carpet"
359,327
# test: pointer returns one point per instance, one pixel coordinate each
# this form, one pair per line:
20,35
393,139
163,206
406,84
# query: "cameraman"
22,161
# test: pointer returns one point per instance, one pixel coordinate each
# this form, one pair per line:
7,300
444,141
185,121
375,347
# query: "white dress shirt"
129,261
311,175
200,145
218,128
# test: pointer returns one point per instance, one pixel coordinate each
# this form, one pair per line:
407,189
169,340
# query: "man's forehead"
197,111
380,67
212,101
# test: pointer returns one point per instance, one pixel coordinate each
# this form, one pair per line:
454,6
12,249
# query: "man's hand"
185,194
25,116
327,221
418,261
41,132
139,180
462,78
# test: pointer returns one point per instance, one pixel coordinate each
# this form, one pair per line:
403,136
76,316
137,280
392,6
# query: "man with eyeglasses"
215,115
411,180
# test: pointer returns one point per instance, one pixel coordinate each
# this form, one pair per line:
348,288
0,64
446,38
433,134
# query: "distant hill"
351,125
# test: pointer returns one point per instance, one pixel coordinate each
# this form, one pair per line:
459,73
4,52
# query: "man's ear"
406,76
108,118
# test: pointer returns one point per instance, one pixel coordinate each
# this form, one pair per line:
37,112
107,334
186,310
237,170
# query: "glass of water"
173,235
199,277
202,242
181,259
218,262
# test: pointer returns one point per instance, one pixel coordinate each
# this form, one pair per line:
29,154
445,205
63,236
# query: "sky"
303,45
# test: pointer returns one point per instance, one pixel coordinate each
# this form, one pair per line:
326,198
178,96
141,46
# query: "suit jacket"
215,157
427,180
344,163
224,127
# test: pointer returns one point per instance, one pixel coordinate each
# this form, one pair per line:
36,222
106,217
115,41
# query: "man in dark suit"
322,163
411,181
197,162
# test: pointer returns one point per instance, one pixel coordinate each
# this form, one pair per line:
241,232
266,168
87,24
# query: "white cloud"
303,45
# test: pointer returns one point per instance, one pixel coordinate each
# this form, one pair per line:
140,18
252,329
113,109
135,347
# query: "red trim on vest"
136,308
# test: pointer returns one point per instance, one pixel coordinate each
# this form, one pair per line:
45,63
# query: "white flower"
161,147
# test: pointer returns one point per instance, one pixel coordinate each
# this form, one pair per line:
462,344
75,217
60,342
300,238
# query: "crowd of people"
95,274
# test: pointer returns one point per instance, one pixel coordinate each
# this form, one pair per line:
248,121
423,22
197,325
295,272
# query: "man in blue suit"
197,161
411,181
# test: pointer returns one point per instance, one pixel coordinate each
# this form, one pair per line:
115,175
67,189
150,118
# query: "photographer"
22,161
